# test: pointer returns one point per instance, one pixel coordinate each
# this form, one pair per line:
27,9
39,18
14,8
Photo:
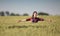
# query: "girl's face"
35,14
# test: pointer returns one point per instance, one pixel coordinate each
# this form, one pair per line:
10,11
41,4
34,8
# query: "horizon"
51,7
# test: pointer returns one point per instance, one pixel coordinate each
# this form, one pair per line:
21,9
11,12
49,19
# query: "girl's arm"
21,20
40,19
24,20
48,20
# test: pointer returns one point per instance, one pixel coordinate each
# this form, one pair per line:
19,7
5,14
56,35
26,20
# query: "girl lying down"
34,18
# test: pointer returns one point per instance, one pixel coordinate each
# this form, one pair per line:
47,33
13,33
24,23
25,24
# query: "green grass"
10,27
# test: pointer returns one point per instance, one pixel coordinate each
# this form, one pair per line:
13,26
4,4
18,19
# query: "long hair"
33,14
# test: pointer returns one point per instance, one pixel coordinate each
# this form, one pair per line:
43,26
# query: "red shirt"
35,19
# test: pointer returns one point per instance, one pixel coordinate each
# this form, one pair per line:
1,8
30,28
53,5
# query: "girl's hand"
50,20
18,21
21,20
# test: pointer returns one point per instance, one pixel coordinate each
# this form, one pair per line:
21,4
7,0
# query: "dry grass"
9,26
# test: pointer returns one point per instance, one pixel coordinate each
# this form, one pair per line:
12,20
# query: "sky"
28,6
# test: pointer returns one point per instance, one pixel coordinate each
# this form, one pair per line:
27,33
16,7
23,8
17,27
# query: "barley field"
10,27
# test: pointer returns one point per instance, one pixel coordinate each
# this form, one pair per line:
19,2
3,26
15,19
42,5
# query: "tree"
17,14
25,14
2,13
42,13
12,14
7,12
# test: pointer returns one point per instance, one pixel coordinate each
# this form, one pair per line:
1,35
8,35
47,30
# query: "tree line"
7,13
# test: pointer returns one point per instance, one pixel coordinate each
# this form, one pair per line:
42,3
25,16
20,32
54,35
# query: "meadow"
10,27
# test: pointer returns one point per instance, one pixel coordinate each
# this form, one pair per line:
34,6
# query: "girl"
33,19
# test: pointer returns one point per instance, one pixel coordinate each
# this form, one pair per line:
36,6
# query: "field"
10,27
